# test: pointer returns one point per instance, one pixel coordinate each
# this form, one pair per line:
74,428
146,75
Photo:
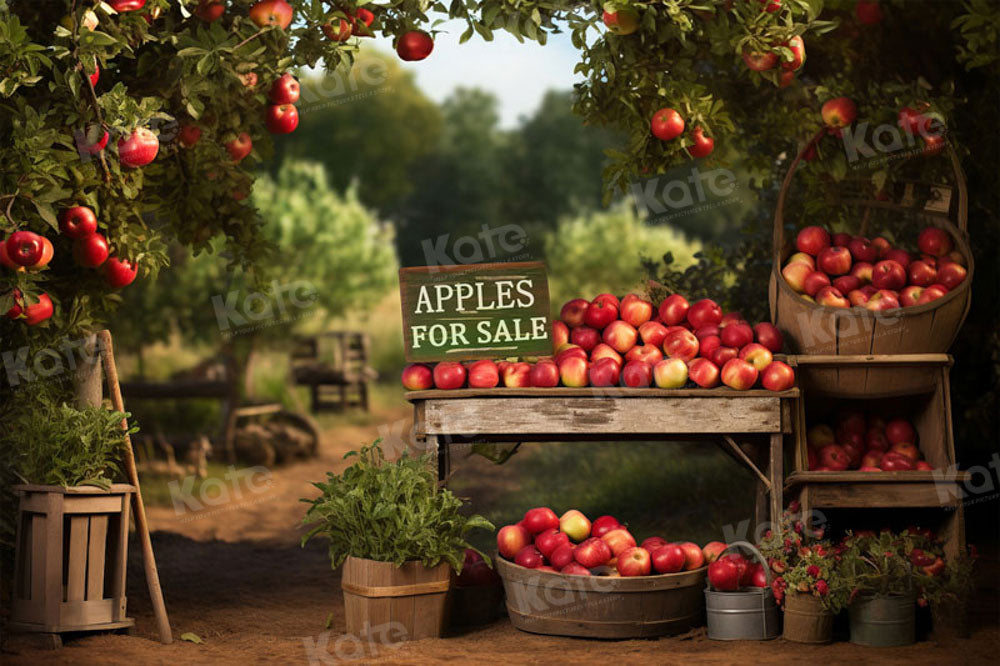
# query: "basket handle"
757,554
961,212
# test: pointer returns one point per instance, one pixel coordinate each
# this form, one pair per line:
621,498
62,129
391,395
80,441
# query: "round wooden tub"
602,606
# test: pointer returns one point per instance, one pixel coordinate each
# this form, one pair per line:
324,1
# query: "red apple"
271,12
708,345
670,373
585,337
652,333
703,372
924,466
768,335
900,430
32,314
600,314
681,343
888,274
723,355
795,275
575,569
618,540
841,239
544,374
839,112
573,312
605,351
922,274
845,284
592,553
138,148
570,350
812,240
517,375
603,525
895,462
907,450
560,334
539,519
605,372
732,318
634,561
852,422
529,557
417,377
932,293
118,272
713,550
815,281
934,241
449,375
637,374
863,271
831,298
646,353
511,539
756,355
620,336
209,10
834,260
875,440
951,275
673,310
778,376
704,331
724,575
239,147
704,313
281,119
834,456
901,257
738,374
652,543
636,310
483,374
562,556
862,249
284,90
77,222
858,297
608,299
693,557
549,540
574,524
737,335
90,251
883,299
802,258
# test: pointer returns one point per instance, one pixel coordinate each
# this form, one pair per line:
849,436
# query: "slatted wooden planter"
603,606
386,602
815,329
70,564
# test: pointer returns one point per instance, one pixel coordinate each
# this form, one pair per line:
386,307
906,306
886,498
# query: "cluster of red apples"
867,444
573,545
733,571
843,271
607,342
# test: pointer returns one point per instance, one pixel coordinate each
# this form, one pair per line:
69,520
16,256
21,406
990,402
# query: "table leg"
762,493
776,474
438,446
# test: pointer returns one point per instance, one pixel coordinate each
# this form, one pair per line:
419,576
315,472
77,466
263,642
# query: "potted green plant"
883,588
60,466
399,535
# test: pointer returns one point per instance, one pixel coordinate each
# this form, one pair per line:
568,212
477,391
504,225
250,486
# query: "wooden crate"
398,603
603,606
70,561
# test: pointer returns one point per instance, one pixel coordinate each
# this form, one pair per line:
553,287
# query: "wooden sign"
455,313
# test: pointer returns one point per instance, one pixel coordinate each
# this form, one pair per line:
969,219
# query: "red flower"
813,571
820,550
822,588
798,527
794,506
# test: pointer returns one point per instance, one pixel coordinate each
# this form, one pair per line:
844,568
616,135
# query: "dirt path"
233,574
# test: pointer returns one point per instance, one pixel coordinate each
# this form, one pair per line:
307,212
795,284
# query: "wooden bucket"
70,560
603,606
806,620
383,602
815,329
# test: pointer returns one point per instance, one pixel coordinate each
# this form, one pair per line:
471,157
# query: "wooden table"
749,425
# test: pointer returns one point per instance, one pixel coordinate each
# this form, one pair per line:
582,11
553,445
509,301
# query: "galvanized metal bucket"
884,621
749,614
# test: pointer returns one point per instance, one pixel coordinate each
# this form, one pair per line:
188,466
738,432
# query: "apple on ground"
703,372
511,539
417,377
637,374
634,561
592,553
620,336
483,374
673,310
517,375
603,525
575,525
539,519
573,312
549,540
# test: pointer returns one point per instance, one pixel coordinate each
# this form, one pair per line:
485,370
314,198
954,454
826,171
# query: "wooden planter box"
603,606
386,602
70,562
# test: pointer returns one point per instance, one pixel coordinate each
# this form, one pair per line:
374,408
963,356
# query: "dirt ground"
234,575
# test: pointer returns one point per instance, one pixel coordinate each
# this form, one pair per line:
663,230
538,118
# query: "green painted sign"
456,313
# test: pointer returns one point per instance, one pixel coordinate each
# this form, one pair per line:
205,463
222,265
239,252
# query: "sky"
518,74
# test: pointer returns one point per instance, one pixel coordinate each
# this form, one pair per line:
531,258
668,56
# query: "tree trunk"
88,389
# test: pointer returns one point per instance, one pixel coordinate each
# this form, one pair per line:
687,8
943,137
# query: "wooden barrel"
815,329
386,603
603,606
806,620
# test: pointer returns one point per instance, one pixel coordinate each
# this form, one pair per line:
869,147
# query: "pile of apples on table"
606,342
843,271
733,571
864,443
574,545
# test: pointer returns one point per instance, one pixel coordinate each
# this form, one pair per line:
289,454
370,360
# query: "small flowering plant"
888,563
